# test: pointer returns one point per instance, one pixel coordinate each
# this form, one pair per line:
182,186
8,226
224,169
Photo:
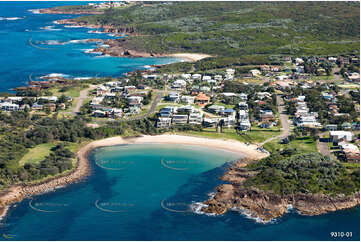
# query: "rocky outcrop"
115,48
73,12
266,205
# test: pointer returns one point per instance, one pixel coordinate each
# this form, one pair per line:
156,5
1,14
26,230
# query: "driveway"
286,131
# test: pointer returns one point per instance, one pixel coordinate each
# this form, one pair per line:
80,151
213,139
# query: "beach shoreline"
17,193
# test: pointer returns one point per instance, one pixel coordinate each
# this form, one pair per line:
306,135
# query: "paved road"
322,145
284,122
80,100
151,110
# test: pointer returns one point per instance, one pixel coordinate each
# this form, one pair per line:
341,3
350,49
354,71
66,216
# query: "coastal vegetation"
290,173
256,31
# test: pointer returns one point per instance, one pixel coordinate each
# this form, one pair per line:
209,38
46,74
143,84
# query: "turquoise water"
19,59
122,200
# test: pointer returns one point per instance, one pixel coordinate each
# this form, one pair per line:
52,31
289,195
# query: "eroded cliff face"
266,205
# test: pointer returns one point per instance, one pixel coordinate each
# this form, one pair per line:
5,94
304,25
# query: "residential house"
215,108
117,112
8,106
196,76
205,89
338,135
266,115
230,71
210,122
195,118
164,122
263,95
202,99
134,101
307,121
255,72
37,106
346,126
228,112
243,96
179,84
218,77
229,121
173,97
243,106
99,114
180,119
185,109
187,99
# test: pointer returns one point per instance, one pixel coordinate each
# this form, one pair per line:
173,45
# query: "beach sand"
17,193
192,57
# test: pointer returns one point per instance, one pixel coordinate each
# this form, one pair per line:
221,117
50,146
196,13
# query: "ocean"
33,45
135,192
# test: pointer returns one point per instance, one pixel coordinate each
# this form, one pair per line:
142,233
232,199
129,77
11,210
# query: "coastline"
115,47
17,193
265,206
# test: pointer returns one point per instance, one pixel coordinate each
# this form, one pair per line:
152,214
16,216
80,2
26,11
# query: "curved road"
151,110
284,122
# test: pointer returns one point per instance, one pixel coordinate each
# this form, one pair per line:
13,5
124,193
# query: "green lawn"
36,154
257,135
304,144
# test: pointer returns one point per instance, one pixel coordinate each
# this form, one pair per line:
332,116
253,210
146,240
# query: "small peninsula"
309,183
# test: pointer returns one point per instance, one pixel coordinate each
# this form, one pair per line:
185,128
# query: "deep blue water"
122,200
19,59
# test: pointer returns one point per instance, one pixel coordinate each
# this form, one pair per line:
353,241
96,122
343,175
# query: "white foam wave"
11,18
248,214
54,75
95,32
34,11
73,26
50,28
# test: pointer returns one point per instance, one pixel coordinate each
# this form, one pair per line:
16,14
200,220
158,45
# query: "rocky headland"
266,205
68,11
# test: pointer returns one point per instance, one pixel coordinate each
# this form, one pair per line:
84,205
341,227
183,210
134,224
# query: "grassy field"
303,144
255,136
36,154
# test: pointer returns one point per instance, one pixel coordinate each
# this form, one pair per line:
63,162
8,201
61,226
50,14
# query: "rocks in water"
266,205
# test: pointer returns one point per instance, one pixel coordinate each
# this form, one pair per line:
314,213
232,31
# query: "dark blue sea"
33,45
134,192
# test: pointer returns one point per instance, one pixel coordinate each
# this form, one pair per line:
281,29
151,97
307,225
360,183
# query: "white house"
195,118
340,134
179,83
206,78
180,119
7,106
164,122
230,71
255,72
196,76
187,99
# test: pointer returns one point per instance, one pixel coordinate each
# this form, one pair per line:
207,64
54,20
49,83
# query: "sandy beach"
192,57
17,193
